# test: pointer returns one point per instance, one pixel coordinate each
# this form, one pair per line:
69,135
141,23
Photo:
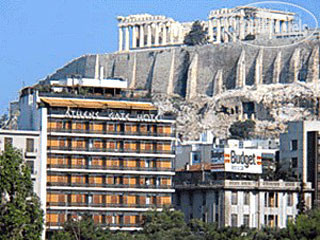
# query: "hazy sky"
39,36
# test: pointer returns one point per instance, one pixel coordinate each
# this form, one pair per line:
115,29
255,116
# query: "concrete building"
240,202
233,184
299,154
102,153
28,143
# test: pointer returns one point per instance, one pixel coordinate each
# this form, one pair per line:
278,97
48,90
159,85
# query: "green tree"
166,225
82,229
242,130
196,36
21,215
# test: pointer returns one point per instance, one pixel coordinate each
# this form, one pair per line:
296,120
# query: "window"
234,220
246,198
31,166
148,181
216,196
271,220
191,199
30,145
195,157
148,163
234,198
7,142
289,199
271,199
294,162
89,199
204,198
246,220
157,181
294,145
289,218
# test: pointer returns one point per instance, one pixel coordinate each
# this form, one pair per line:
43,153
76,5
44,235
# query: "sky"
39,36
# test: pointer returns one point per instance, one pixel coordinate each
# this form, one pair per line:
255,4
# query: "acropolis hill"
213,85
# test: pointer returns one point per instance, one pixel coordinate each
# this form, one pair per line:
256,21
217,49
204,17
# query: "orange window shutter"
126,219
167,129
61,198
167,147
96,219
61,218
109,219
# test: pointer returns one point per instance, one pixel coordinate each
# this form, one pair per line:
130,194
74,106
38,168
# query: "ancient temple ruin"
223,25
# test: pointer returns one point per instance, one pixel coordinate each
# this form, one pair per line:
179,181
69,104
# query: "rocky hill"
211,86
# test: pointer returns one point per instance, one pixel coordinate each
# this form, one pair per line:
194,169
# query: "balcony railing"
120,225
91,131
121,150
104,185
126,205
99,167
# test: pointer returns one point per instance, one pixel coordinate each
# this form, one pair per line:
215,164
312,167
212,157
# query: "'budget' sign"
242,160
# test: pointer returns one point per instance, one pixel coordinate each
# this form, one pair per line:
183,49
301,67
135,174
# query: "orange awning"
102,104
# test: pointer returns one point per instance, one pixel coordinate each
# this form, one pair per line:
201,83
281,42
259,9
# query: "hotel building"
101,153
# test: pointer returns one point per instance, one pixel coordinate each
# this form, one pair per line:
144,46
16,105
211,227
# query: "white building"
240,202
299,153
29,144
234,185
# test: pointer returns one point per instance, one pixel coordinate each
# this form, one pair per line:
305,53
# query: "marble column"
271,28
149,37
284,27
250,26
156,37
210,30
164,34
235,28
241,29
226,30
181,35
171,34
218,40
277,26
289,26
141,37
134,37
120,39
127,37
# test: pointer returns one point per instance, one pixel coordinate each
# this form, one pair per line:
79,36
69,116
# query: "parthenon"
223,25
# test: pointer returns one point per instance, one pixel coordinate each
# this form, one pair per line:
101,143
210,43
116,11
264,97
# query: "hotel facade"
101,154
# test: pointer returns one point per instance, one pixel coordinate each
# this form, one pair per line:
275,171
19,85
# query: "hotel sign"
120,116
81,114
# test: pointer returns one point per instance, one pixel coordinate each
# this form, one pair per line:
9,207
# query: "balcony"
120,150
98,167
104,225
105,185
121,133
106,205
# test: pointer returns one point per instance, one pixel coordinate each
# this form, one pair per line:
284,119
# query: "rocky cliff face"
211,86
